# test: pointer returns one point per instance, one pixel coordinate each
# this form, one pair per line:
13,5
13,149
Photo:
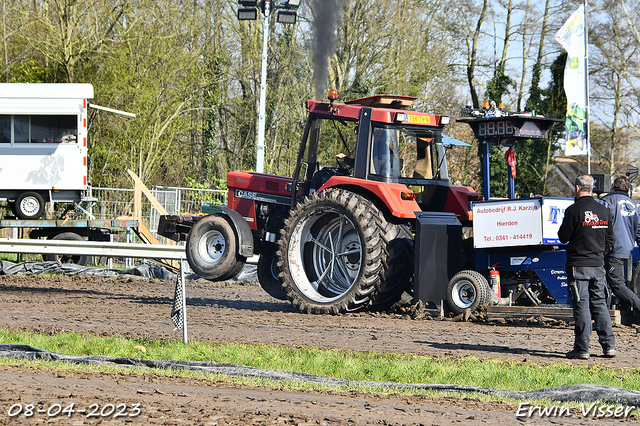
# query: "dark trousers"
615,267
590,284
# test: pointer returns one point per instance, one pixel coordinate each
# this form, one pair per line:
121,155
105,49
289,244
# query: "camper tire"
29,205
67,258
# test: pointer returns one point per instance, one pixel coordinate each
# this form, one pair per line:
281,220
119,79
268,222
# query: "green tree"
158,79
71,32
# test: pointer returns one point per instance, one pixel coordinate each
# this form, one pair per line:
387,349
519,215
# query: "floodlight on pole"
266,6
286,17
248,11
247,14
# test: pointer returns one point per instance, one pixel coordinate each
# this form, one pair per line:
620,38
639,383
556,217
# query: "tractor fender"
240,226
387,193
458,201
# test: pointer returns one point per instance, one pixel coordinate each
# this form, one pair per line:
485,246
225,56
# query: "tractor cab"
378,140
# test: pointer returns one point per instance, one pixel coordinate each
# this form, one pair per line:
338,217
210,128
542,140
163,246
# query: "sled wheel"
268,276
67,258
331,253
29,205
212,249
467,290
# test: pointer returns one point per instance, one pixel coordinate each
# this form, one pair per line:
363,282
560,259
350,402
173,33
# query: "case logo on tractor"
255,196
245,194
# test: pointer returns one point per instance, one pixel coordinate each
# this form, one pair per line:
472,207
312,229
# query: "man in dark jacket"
626,223
588,230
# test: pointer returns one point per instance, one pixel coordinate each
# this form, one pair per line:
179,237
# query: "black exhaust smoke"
326,15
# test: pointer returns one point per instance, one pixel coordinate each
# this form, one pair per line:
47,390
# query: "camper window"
38,128
20,129
5,129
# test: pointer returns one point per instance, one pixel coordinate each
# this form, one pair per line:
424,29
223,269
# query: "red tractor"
338,235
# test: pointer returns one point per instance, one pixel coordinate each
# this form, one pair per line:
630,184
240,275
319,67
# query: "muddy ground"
242,312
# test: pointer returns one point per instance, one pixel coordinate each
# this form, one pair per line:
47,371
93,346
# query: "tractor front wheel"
212,249
268,276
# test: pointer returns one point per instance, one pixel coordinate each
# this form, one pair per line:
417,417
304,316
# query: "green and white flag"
572,37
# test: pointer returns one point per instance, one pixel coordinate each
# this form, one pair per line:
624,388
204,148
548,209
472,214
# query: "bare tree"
536,73
472,56
631,21
614,62
5,37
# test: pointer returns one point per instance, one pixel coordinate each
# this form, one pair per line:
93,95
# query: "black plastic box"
438,257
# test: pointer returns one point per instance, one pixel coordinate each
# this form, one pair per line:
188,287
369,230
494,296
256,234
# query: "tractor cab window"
407,153
421,158
424,166
330,149
385,159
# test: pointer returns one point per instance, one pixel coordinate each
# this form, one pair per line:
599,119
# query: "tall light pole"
287,15
263,90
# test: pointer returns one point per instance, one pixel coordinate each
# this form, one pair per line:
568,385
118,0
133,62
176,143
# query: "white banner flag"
572,37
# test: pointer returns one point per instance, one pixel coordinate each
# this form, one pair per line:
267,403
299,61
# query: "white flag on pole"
572,37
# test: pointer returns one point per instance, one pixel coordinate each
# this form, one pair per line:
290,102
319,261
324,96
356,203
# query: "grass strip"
347,365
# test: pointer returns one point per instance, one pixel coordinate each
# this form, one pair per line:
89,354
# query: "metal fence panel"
114,202
169,198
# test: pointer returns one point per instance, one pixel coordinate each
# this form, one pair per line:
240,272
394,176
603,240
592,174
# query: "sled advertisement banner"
507,223
572,38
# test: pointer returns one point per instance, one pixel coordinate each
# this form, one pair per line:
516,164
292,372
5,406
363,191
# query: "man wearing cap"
588,230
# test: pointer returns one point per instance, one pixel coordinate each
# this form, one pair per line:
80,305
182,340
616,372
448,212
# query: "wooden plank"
143,231
531,310
137,202
139,186
150,239
145,234
566,314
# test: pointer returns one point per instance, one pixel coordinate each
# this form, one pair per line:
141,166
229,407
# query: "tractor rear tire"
467,290
66,258
212,249
332,253
268,276
398,264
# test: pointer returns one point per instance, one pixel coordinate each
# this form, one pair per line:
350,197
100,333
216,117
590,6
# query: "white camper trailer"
43,145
